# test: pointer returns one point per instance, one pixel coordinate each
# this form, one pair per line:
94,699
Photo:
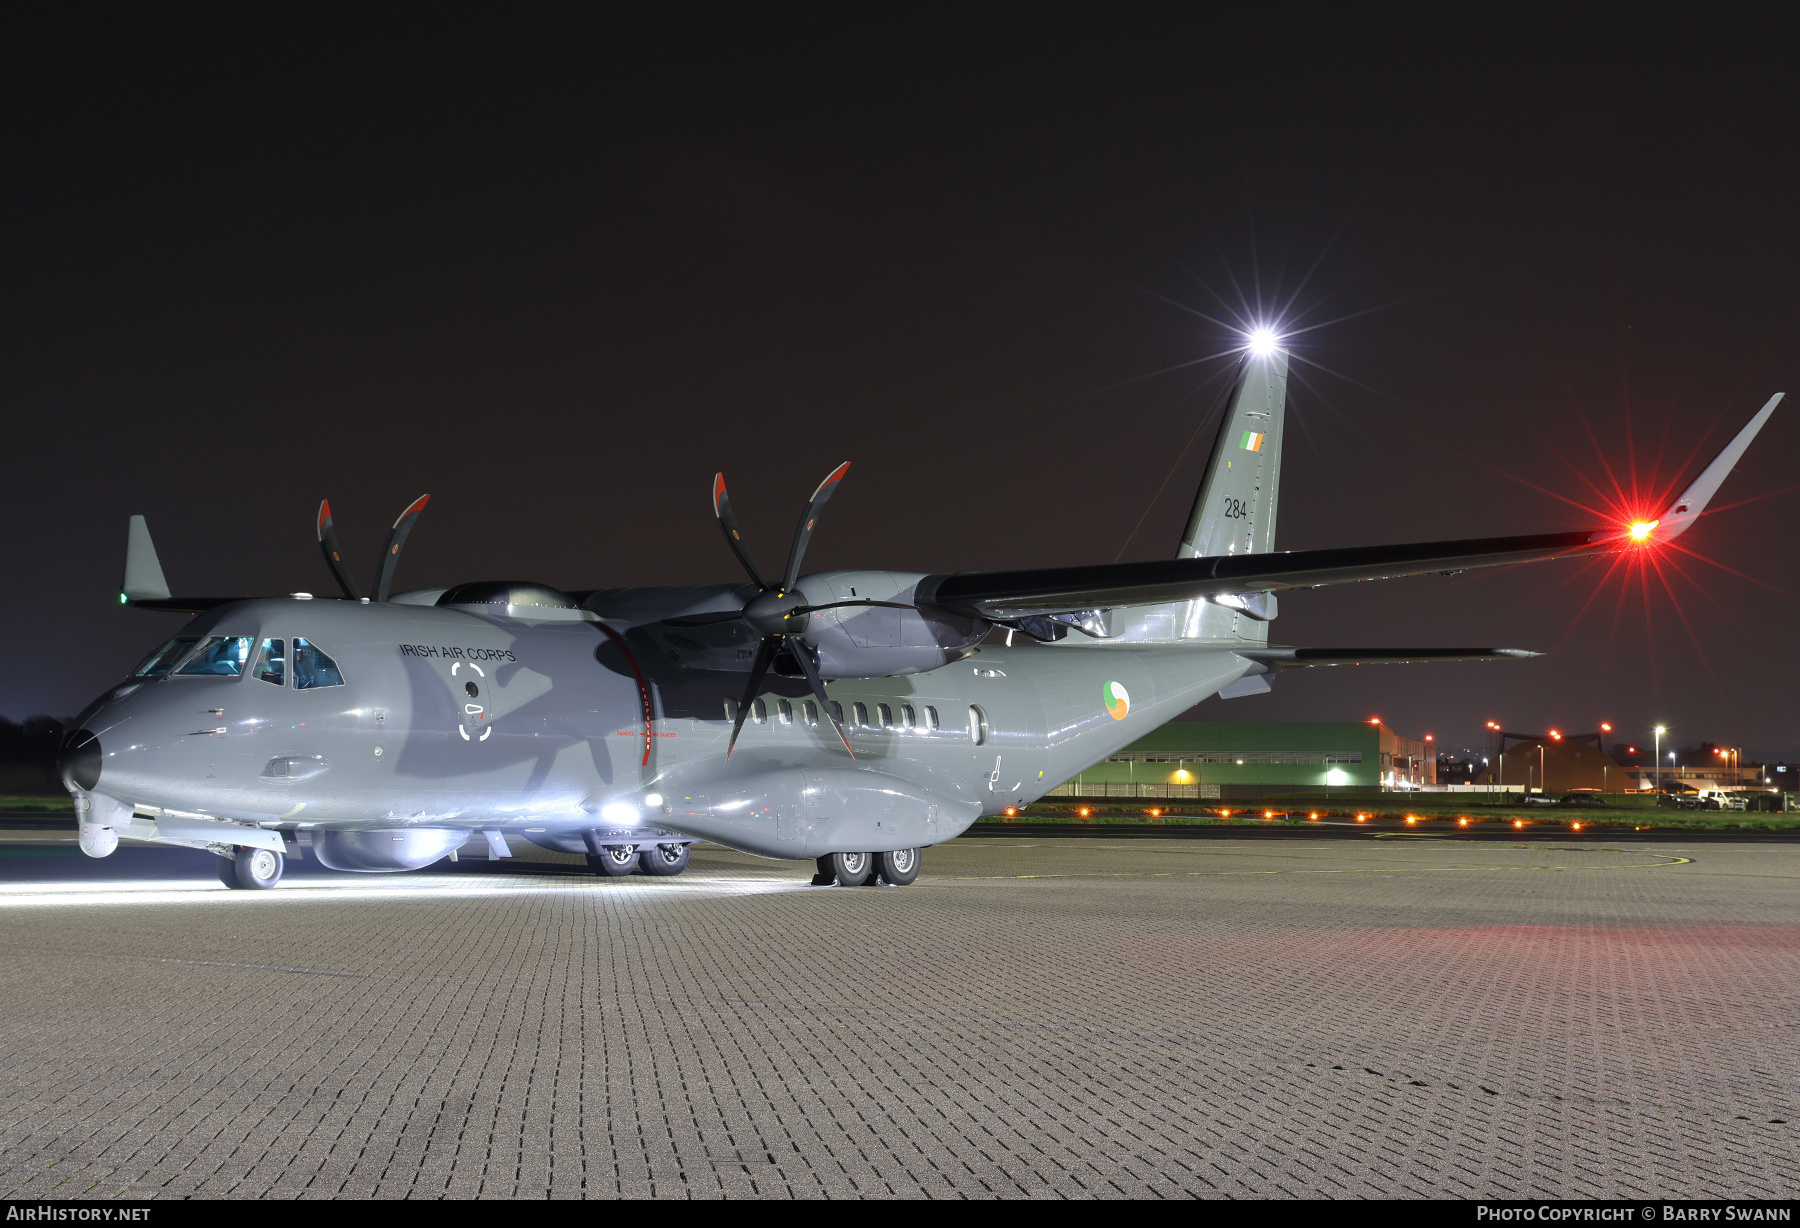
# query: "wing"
998,595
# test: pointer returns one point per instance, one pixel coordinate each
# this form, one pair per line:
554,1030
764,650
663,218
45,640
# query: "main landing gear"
251,869
619,860
895,869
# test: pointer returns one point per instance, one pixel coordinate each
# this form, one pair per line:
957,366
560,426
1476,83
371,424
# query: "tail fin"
1234,513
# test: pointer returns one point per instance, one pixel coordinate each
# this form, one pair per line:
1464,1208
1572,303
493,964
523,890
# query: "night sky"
558,272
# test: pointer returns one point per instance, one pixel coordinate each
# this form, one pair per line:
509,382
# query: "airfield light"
1576,826
1640,529
1268,814
1556,735
1410,819
1263,342
1313,817
1156,814
1362,818
1084,814
1011,811
1605,728
1462,822
1518,822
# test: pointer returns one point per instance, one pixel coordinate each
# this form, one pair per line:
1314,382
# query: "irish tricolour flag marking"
1118,701
1253,441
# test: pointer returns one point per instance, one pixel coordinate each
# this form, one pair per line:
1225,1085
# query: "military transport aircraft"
852,717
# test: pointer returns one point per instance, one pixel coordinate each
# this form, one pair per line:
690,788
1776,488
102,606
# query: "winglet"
1692,502
143,573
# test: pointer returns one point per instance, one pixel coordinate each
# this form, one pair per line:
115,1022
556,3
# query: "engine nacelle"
385,850
872,641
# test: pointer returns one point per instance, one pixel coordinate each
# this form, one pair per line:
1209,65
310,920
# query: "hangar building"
1231,760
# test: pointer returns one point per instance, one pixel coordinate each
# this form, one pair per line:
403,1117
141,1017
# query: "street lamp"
1660,730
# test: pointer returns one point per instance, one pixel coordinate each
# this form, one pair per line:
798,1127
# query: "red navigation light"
1605,728
1556,735
1374,720
1640,530
1428,737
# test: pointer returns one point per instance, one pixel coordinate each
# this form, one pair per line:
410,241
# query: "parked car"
1587,800
1719,799
1679,801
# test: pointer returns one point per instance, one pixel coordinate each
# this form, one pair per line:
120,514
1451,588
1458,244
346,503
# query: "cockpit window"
312,668
157,663
272,664
220,656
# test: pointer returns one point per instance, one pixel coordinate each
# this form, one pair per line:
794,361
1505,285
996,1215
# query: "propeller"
390,556
778,612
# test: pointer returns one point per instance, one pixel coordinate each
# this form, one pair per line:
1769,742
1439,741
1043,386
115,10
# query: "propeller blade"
728,522
803,654
390,557
765,654
803,534
334,558
833,605
704,620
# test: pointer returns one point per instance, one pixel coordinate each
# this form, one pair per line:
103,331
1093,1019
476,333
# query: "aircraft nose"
80,760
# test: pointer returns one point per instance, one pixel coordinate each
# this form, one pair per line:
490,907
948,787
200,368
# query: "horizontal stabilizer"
1302,658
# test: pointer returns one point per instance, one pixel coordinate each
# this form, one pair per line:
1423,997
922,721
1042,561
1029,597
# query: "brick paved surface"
1062,1018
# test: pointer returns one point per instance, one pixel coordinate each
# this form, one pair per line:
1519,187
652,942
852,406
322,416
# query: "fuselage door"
471,684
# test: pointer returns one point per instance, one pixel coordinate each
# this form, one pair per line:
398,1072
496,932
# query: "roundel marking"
1118,700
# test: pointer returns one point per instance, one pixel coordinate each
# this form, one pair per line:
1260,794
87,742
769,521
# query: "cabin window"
862,715
978,726
157,663
837,712
759,711
811,714
313,668
221,656
731,710
886,714
908,717
931,719
271,665
785,711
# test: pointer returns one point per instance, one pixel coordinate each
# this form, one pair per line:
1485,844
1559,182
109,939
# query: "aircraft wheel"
614,860
664,859
254,869
850,869
899,867
227,872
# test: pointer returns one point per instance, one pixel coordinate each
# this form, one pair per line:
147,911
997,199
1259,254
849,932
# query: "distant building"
1231,760
1562,765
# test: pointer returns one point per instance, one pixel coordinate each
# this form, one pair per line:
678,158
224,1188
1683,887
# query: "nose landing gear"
251,869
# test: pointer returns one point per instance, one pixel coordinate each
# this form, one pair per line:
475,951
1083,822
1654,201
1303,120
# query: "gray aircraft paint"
529,718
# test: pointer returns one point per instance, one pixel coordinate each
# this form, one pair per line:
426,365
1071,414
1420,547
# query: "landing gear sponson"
895,869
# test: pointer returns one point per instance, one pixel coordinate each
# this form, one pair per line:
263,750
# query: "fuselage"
329,715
